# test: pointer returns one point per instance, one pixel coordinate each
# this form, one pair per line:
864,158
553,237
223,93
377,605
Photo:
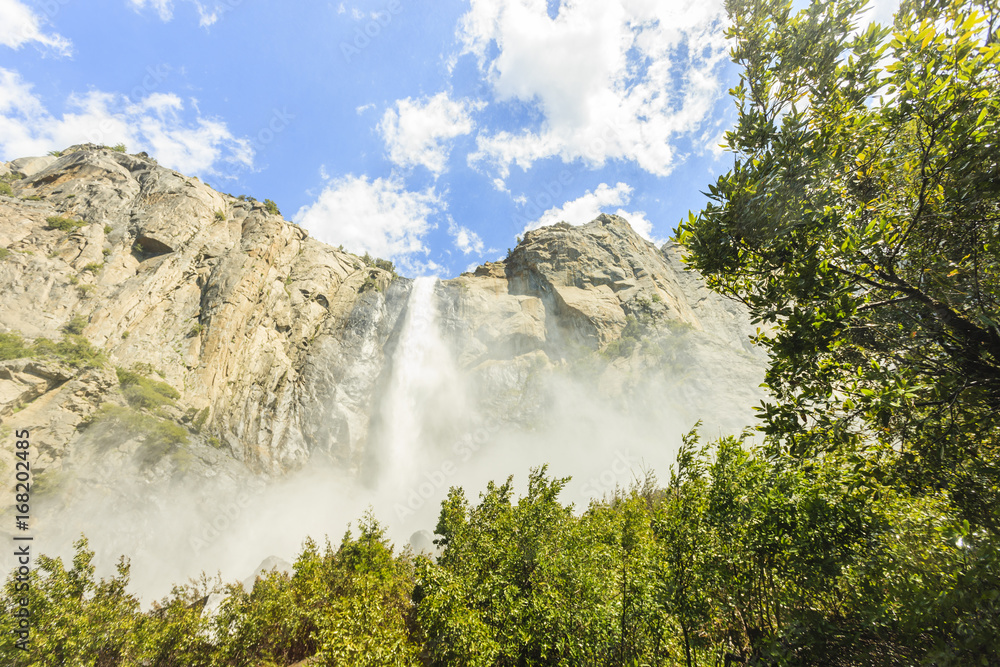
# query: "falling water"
422,389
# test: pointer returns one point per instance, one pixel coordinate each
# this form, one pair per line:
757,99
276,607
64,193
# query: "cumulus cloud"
19,25
621,79
416,132
378,216
155,124
465,239
587,207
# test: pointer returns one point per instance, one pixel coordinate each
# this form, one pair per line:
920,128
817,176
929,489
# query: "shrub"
371,283
12,346
271,207
144,393
118,148
108,229
55,153
379,263
627,341
220,216
94,267
5,189
33,198
63,224
75,325
196,330
160,436
4,253
73,349
199,419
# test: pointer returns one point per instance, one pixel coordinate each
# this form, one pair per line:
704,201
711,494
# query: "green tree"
860,222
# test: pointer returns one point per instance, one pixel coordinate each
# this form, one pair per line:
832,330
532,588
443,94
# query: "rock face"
600,298
272,340
264,349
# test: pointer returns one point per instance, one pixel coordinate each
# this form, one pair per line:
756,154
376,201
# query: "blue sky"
432,133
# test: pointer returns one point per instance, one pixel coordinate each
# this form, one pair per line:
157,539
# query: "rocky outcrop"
271,339
601,299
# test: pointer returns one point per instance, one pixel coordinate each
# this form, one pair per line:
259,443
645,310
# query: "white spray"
423,389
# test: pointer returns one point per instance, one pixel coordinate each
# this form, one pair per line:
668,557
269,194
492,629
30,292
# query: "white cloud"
620,79
165,8
19,25
364,107
587,207
466,240
208,13
153,124
380,217
416,131
880,11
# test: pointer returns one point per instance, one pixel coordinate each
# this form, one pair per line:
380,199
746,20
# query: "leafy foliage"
63,224
73,349
145,393
271,207
860,221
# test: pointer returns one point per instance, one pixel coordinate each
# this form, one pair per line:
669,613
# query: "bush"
94,267
371,283
75,325
627,341
379,263
199,419
4,253
220,216
74,350
5,189
161,437
271,207
12,346
118,148
108,229
144,393
63,224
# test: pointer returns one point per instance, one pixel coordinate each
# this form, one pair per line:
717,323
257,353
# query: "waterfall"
422,389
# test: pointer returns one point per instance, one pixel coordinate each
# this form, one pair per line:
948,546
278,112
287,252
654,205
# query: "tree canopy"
860,224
